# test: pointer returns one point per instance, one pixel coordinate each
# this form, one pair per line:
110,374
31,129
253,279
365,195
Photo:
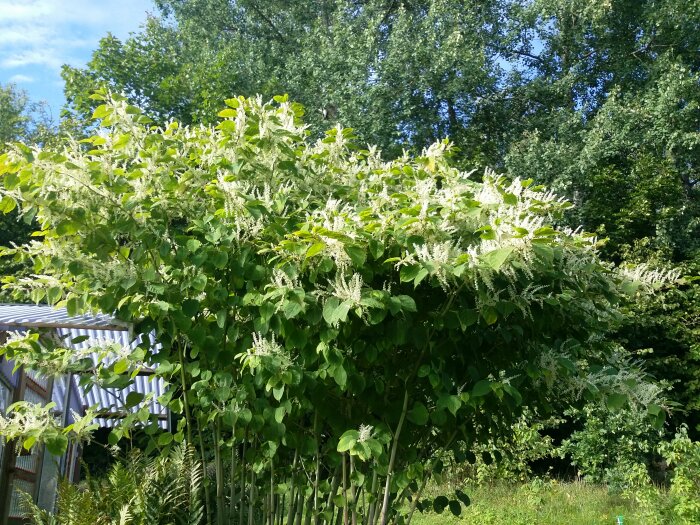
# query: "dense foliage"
597,100
330,321
20,119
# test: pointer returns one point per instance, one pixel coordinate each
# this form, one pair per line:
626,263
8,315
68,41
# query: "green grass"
537,503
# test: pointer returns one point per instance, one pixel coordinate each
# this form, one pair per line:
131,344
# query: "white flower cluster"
281,280
365,433
27,419
263,346
648,276
350,290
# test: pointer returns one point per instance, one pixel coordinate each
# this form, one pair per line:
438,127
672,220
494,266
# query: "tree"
20,120
404,73
330,321
610,119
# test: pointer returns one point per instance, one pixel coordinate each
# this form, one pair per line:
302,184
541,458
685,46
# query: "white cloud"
50,33
21,79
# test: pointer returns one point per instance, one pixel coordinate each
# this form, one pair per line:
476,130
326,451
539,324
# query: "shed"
37,473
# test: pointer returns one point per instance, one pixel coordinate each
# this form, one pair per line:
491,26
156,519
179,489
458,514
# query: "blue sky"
38,36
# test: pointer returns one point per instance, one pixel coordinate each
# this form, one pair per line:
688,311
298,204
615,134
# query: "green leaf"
481,388
165,439
418,414
654,409
57,445
423,371
407,303
450,402
193,245
455,507
467,317
422,274
133,399
199,283
121,366
357,254
440,503
221,317
315,249
348,440
408,273
7,204
616,401
66,228
340,376
190,307
114,437
101,111
490,315
334,311
495,259
461,496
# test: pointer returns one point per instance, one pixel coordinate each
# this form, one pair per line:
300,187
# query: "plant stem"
373,492
207,500
345,490
290,512
318,465
232,480
384,516
219,465
251,497
242,485
352,493
185,397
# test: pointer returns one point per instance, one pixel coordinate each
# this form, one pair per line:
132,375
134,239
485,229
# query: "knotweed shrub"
329,321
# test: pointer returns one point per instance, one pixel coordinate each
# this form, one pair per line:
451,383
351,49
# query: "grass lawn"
538,503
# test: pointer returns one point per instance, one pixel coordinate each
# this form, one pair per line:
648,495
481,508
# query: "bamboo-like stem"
272,492
384,516
318,466
207,500
373,492
290,511
300,507
232,478
339,516
241,507
345,490
265,510
185,397
298,513
309,509
219,468
335,482
352,493
380,497
364,504
251,497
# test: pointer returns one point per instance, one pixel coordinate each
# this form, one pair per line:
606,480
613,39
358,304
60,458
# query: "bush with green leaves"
613,436
507,457
680,503
330,321
609,443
